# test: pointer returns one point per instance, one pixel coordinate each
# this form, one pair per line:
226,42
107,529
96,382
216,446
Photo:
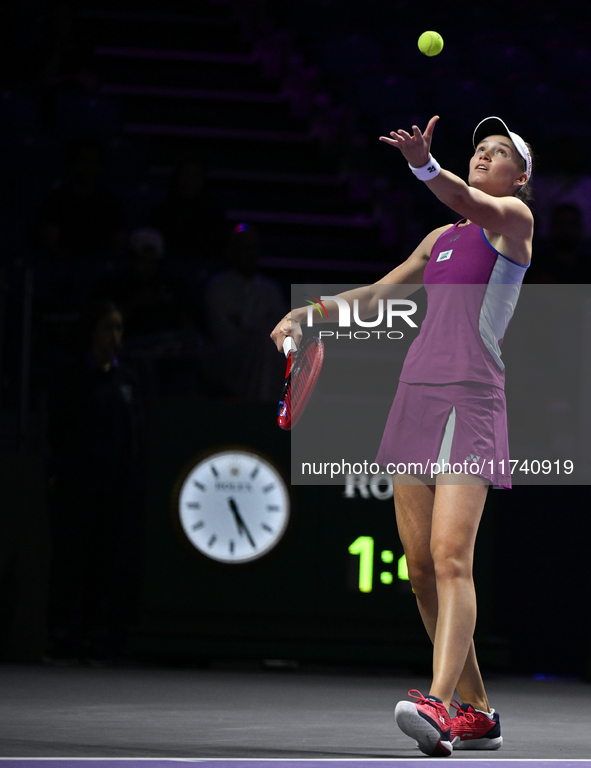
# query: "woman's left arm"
507,216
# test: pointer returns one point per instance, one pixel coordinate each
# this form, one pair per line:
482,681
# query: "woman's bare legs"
437,526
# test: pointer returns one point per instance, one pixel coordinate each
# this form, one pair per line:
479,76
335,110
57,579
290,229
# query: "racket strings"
300,374
302,371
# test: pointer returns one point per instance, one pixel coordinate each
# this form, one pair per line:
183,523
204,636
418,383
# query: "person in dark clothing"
151,300
82,218
93,434
239,304
64,54
565,255
193,226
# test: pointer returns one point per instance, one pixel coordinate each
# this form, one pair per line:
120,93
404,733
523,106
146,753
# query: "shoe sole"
477,743
427,736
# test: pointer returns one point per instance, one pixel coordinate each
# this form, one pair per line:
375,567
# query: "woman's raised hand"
415,147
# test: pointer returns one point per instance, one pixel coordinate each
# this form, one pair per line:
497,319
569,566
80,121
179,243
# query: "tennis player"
449,412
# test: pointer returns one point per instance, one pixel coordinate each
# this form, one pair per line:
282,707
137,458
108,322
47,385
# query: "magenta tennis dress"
449,408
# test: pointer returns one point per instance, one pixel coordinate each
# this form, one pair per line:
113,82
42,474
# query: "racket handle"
289,345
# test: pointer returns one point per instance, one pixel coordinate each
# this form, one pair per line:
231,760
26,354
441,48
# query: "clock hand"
240,524
237,518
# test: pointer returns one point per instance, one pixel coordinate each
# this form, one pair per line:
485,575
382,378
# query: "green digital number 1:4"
363,546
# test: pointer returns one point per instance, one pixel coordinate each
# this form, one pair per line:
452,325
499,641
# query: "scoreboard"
333,587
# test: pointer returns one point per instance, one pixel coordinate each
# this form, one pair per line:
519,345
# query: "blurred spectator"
10,53
82,218
564,256
567,181
93,435
63,57
193,226
240,304
151,301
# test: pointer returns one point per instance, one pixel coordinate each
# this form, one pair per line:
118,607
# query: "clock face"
233,506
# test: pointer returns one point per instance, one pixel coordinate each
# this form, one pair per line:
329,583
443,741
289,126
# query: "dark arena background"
167,171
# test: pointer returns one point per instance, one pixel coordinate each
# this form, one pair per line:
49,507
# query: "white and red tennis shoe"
473,729
427,721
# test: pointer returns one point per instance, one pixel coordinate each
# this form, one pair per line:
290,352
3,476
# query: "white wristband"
428,171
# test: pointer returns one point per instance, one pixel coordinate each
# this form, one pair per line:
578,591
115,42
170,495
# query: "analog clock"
233,506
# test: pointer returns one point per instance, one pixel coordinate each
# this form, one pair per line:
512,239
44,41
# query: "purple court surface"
148,717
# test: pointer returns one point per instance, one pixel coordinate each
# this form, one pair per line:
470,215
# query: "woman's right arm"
408,276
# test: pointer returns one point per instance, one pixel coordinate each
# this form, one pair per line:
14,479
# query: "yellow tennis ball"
430,43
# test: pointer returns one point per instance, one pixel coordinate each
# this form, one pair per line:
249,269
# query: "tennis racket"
301,375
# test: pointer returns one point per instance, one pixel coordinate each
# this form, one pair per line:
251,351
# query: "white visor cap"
494,126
